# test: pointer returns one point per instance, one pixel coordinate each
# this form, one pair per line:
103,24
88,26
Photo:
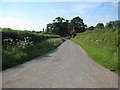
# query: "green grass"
15,55
101,45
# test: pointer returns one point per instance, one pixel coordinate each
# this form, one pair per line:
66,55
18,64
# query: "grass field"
15,55
101,45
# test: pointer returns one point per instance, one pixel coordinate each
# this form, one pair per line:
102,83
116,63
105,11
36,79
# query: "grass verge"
102,46
15,55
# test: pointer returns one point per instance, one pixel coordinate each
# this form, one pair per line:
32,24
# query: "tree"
63,27
91,28
73,33
58,27
78,25
113,24
49,28
99,26
59,19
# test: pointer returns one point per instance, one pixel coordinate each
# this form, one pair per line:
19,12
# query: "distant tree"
49,28
99,26
78,24
117,24
33,31
63,27
59,19
90,28
7,29
40,32
109,25
113,24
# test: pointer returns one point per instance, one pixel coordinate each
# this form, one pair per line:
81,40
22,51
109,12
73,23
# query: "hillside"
102,45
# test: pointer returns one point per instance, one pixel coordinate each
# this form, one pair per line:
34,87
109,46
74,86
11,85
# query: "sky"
35,15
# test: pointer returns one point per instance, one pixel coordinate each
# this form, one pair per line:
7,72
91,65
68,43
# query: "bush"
13,37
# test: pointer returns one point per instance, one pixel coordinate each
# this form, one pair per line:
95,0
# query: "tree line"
64,27
111,24
69,28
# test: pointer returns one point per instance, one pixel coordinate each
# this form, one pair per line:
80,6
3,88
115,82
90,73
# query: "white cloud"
21,24
82,8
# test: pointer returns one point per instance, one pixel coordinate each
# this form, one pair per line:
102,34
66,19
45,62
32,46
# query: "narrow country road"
68,66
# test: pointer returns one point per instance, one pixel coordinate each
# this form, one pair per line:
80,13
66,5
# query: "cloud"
83,8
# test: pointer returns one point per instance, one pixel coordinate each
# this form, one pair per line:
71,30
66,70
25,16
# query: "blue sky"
35,15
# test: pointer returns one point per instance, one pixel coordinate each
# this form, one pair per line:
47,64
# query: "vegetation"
64,28
21,46
23,38
101,44
101,41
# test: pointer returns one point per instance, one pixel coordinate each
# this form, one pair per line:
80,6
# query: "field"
21,46
101,45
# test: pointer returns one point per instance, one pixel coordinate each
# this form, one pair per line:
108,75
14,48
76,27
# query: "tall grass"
101,45
15,54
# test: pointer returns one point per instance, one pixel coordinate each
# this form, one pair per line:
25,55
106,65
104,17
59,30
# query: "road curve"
68,66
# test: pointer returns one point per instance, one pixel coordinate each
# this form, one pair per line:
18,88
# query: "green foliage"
101,45
77,24
64,28
23,38
20,46
113,24
99,26
90,28
15,55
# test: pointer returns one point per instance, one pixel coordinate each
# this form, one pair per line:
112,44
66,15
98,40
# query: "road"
68,66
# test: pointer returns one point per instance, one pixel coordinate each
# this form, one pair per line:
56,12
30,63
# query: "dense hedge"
14,37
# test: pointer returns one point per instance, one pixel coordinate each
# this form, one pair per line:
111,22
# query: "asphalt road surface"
68,66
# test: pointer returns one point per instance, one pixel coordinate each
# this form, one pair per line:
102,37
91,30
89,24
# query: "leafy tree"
113,24
73,33
99,26
59,19
63,27
49,28
78,25
90,28
58,27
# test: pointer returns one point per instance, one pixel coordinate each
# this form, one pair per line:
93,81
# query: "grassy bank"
16,54
101,45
